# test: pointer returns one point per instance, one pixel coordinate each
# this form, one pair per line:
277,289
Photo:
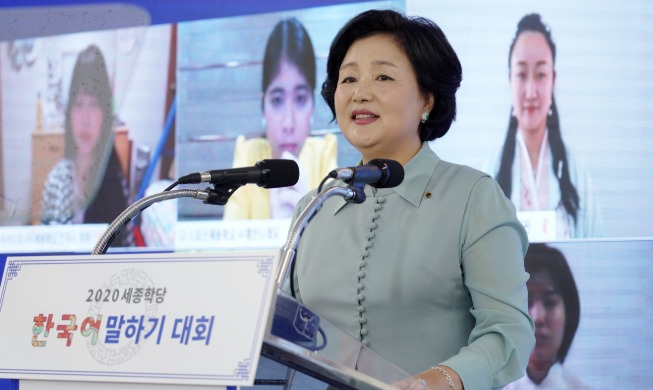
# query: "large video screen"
223,92
96,120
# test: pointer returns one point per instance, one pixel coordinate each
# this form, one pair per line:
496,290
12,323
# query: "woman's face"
378,102
287,107
547,308
531,80
86,119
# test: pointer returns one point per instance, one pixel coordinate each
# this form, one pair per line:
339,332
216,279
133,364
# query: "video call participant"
428,274
554,305
535,168
288,86
87,185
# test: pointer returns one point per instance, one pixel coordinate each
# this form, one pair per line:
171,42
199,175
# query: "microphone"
379,173
273,173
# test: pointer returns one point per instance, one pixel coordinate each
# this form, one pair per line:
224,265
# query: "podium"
210,317
343,362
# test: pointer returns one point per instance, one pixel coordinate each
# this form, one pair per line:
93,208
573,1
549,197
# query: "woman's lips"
290,147
363,117
541,338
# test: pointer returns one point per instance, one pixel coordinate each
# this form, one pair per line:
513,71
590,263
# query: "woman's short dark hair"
289,40
559,164
90,76
541,257
435,63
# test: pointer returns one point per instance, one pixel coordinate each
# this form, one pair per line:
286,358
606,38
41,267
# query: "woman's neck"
83,168
538,369
533,141
402,154
538,376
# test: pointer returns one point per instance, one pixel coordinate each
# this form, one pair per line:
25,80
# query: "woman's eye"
347,80
276,101
301,99
552,301
384,78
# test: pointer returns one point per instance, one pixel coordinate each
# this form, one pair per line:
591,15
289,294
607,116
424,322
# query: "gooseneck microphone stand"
219,195
288,251
132,211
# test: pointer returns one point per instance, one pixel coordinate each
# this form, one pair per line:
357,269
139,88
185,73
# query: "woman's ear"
429,102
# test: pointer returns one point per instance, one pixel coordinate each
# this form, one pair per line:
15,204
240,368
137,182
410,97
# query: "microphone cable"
173,185
319,188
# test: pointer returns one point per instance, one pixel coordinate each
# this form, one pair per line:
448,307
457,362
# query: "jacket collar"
417,174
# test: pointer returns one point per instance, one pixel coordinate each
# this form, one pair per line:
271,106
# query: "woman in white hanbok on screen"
535,169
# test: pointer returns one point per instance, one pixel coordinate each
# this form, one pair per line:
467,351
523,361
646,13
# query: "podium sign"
166,318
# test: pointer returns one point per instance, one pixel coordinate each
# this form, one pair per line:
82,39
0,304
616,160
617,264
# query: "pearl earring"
425,116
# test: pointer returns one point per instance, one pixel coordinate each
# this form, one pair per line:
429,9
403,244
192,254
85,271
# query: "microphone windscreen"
393,173
279,173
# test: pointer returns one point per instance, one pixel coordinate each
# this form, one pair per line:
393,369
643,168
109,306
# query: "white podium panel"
196,319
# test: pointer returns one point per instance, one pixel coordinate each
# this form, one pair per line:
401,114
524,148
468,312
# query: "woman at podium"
429,274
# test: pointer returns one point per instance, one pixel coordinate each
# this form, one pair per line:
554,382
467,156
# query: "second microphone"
272,173
379,173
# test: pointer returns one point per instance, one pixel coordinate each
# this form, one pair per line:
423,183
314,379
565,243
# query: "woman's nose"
85,115
536,311
531,89
289,119
362,93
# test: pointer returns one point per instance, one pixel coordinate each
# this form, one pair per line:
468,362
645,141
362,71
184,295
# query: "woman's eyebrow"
348,65
538,63
302,87
277,90
375,63
384,63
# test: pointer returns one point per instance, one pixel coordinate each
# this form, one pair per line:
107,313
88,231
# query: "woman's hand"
431,379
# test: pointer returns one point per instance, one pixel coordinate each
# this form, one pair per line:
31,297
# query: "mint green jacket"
429,272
